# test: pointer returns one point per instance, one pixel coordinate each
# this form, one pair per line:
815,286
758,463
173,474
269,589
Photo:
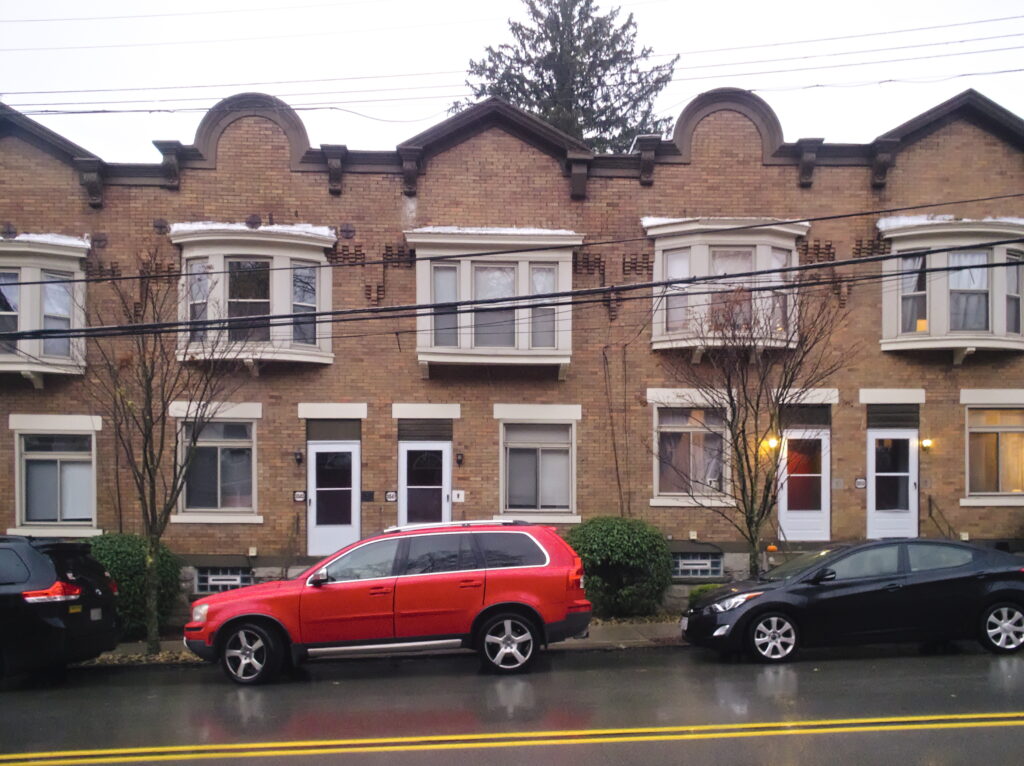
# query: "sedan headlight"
199,612
732,602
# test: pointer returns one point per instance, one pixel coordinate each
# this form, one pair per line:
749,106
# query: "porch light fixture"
772,442
298,456
926,444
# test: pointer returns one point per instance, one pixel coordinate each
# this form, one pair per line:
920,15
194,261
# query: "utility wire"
525,301
541,248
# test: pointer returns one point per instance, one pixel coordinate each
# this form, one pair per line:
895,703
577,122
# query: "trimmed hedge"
124,556
697,591
627,564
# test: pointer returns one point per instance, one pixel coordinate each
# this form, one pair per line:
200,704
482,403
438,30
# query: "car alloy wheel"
773,637
1002,628
251,655
508,643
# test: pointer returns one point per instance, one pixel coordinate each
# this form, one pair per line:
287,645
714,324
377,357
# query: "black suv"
57,604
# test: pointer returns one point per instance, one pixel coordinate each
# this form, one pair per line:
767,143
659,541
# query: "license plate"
96,614
684,622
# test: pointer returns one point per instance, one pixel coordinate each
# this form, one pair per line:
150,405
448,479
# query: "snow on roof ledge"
198,227
51,240
906,221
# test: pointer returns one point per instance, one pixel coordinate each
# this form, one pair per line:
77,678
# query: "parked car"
501,589
877,592
57,604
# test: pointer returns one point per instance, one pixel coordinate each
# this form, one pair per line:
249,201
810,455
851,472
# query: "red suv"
503,589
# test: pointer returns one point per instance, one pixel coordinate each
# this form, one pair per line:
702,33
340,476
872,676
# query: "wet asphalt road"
673,705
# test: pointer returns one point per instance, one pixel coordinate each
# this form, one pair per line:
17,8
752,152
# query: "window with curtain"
690,450
446,318
677,266
968,291
249,296
543,279
734,308
995,454
9,302
57,478
913,294
538,466
220,475
57,307
1014,285
304,276
495,326
198,296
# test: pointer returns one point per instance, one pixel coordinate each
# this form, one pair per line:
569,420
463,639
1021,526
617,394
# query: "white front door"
424,482
332,495
804,485
892,483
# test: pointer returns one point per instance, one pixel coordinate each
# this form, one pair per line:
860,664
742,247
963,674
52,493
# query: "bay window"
456,267
738,296
249,275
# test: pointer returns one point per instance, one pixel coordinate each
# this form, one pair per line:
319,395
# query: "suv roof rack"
449,524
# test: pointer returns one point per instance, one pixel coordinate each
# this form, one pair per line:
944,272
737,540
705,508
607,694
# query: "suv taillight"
59,591
111,583
576,574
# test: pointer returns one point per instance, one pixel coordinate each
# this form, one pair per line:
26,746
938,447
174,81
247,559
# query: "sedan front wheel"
772,638
1002,628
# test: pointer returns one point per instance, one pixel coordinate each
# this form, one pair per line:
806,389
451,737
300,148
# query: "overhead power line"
541,248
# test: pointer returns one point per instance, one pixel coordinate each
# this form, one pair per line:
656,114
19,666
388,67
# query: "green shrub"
124,556
699,590
627,565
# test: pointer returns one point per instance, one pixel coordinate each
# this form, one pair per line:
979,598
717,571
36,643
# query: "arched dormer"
746,103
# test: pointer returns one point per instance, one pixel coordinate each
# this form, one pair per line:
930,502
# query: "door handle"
379,591
893,586
470,583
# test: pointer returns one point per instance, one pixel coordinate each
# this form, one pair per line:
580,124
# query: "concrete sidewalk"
603,636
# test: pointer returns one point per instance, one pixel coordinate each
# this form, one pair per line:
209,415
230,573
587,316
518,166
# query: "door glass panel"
892,493
803,493
370,561
333,506
423,468
803,456
334,470
424,505
892,456
874,562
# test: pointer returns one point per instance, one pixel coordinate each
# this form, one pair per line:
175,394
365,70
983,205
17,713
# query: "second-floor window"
249,296
968,291
8,308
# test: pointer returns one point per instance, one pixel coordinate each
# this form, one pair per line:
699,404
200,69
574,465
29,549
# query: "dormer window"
248,275
453,266
722,307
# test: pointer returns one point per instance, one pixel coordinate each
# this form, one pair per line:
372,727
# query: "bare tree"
136,374
753,352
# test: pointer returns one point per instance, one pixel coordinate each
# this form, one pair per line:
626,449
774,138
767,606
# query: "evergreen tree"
578,70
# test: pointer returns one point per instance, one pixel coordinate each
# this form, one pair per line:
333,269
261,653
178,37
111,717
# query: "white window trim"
468,247
21,425
219,243
30,255
244,412
540,515
700,236
912,233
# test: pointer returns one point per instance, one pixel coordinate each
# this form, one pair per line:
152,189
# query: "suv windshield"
798,565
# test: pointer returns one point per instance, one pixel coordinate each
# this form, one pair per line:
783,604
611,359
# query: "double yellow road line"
183,753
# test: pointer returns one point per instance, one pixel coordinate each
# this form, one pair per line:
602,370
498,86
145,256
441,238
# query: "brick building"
520,411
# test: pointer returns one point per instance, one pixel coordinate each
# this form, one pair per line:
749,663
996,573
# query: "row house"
373,400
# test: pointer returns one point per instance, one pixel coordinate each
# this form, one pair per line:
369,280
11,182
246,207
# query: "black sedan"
877,592
57,605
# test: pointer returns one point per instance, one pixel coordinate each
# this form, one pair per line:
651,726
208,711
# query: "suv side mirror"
319,578
824,575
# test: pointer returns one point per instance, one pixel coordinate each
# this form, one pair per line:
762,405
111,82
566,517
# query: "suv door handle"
470,583
380,590
893,586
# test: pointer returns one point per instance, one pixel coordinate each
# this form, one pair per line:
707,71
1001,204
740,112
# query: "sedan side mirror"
319,578
824,575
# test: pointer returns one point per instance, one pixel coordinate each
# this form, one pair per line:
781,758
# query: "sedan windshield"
799,564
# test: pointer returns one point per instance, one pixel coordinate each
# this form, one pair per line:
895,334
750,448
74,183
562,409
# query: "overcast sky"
388,69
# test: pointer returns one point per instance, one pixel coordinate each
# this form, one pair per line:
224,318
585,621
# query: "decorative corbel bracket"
578,164
648,148
807,151
412,158
170,166
35,378
882,159
90,175
335,155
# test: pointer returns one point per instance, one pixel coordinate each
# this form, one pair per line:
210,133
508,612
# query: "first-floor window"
220,474
57,478
995,450
690,442
538,466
